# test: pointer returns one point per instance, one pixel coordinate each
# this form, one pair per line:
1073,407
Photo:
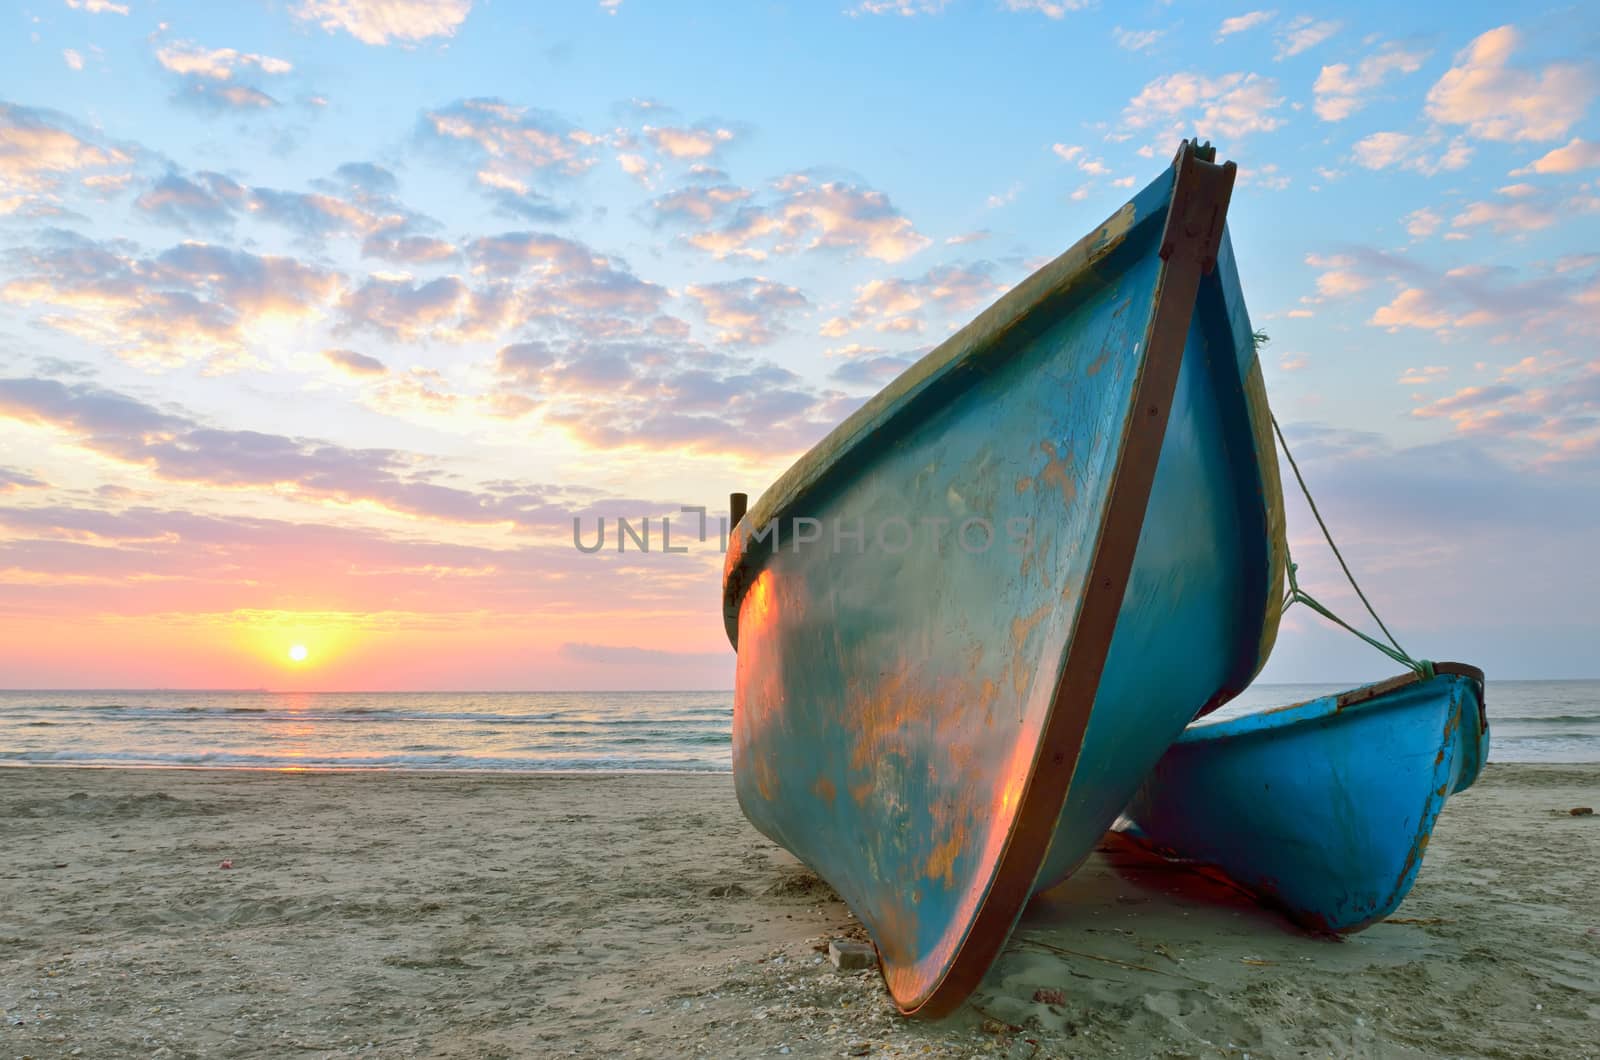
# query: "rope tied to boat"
1297,595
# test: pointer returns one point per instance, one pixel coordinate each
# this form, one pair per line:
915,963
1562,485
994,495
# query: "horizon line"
601,691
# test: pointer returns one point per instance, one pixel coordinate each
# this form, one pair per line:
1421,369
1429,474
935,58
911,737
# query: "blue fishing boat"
1322,808
972,618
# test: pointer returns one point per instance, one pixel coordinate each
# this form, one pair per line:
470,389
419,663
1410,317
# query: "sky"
322,320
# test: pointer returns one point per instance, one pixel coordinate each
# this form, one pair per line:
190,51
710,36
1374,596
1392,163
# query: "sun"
298,653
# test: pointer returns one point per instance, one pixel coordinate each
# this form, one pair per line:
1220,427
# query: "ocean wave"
449,761
356,715
1544,719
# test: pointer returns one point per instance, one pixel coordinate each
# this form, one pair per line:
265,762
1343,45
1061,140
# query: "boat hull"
1322,808
941,723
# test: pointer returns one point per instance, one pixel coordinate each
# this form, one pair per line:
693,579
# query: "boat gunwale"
1306,711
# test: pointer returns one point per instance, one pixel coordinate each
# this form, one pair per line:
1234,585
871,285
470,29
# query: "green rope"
1298,595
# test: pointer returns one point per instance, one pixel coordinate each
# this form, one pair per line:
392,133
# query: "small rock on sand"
848,955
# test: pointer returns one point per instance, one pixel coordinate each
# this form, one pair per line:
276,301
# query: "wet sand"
450,915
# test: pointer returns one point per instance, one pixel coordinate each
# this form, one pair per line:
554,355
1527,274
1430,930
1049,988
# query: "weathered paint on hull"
923,727
1323,808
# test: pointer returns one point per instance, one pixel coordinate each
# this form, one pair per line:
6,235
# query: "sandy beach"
450,915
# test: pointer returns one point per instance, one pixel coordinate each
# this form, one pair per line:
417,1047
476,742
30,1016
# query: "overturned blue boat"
972,618
1322,808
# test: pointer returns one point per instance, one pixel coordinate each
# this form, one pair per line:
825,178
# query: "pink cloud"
1577,154
1498,101
380,22
804,213
1341,90
747,312
192,301
1232,105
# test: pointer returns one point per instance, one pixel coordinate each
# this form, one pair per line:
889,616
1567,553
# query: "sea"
1530,721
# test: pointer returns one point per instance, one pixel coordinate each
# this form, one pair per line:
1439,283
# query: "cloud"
1005,198
142,560
644,154
1411,519
896,305
1302,33
1136,40
518,279
392,244
1577,154
1339,278
1232,105
1341,91
407,310
509,146
696,143
380,22
1550,304
72,58
366,210
521,362
415,391
212,96
510,141
1240,23
355,364
903,8
700,203
1266,176
802,213
98,7
1424,375
638,167
205,200
1524,208
41,149
367,178
192,301
312,214
189,59
1095,167
511,253
1497,101
747,312
572,279
175,448
1559,414
651,393
872,371
13,481
1056,9
1383,149
221,78
1380,150
1422,222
